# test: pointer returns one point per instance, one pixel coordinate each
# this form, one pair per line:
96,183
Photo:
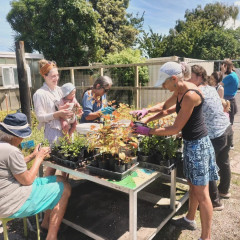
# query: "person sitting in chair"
21,193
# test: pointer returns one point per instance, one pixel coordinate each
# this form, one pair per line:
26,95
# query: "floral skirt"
199,163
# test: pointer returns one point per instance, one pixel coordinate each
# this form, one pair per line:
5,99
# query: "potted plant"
70,153
114,140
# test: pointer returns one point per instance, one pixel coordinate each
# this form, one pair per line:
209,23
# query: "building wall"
9,98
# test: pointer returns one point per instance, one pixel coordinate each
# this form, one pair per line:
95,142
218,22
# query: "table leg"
133,215
173,189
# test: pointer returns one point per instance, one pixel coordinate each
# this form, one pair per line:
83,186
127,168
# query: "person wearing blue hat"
21,193
69,101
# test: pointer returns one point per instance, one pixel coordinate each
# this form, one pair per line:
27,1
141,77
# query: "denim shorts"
199,163
46,193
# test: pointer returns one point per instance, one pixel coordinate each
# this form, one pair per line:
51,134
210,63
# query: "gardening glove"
107,110
142,130
139,113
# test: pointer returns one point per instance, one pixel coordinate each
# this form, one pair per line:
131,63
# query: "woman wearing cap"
45,102
94,100
69,101
21,193
198,154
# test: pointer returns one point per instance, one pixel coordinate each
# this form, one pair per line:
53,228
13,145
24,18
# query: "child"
226,106
69,101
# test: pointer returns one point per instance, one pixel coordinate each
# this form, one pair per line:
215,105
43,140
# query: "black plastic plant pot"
143,158
119,167
103,164
179,156
128,165
111,161
94,163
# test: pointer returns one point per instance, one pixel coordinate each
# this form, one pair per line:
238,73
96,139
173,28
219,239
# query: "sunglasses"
106,89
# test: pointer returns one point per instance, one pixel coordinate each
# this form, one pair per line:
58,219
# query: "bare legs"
53,218
200,195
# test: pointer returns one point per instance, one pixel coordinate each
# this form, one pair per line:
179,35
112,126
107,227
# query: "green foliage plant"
125,76
113,137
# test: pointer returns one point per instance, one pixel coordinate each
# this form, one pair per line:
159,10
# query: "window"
9,76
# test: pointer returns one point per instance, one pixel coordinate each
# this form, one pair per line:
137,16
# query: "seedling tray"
160,168
67,163
111,174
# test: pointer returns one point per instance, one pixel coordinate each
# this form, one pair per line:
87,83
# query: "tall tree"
66,31
217,13
152,44
201,35
119,29
217,44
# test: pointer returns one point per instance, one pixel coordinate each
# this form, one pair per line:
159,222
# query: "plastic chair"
25,231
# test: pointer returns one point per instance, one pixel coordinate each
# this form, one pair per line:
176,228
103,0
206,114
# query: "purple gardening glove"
142,130
139,113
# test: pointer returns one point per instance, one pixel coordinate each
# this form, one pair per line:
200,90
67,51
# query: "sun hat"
16,124
166,71
67,88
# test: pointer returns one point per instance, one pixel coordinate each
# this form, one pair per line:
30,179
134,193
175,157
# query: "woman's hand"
79,112
64,113
139,113
107,110
42,153
142,130
65,106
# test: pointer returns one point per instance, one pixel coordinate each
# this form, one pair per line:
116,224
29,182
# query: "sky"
160,15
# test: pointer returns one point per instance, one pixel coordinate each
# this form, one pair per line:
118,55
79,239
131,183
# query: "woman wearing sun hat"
21,193
198,154
46,101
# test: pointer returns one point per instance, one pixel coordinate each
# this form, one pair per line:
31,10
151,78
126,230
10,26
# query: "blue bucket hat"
17,125
67,88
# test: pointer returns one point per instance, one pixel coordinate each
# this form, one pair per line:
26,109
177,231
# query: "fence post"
72,76
101,71
22,80
136,86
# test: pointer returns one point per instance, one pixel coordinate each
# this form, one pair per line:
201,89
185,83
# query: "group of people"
56,108
206,132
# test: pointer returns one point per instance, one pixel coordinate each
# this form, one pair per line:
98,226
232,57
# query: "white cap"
67,88
167,70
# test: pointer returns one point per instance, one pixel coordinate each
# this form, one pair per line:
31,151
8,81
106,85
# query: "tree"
125,76
217,13
152,44
200,35
66,31
217,44
183,43
119,29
